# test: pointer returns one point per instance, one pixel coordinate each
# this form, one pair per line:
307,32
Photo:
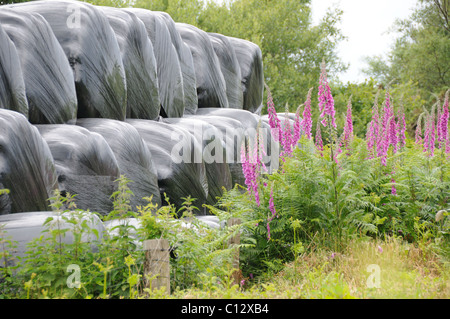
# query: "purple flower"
250,170
443,121
286,132
393,139
373,130
380,250
348,127
274,121
307,119
326,101
419,139
297,128
393,190
271,204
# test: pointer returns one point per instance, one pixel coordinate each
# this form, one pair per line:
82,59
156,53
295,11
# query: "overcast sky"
365,23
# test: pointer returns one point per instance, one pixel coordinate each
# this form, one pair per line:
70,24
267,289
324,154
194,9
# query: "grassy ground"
367,269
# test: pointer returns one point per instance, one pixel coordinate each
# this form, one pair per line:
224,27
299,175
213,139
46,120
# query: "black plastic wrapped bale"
26,166
12,85
179,174
139,62
211,86
170,77
91,47
85,164
49,85
23,228
186,64
233,133
250,60
231,69
214,154
133,157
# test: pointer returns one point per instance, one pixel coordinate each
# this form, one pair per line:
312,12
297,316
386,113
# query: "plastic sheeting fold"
214,153
91,47
179,174
186,64
139,61
170,78
133,157
211,86
49,85
233,135
250,60
85,164
12,85
231,69
26,166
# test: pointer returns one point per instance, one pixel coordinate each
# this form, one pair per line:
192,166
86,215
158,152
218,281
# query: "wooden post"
157,263
235,240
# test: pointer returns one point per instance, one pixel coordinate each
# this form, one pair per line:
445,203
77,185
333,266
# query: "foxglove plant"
307,119
274,121
419,139
370,139
393,133
250,170
383,145
443,122
430,134
373,130
348,127
326,101
286,136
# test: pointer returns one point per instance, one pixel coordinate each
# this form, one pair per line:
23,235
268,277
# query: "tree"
422,53
186,11
11,1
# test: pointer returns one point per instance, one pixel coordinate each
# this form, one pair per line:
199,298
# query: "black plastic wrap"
23,228
85,164
133,157
91,47
26,166
250,60
170,77
211,86
247,119
233,134
139,62
176,177
231,69
12,85
186,64
49,85
214,154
